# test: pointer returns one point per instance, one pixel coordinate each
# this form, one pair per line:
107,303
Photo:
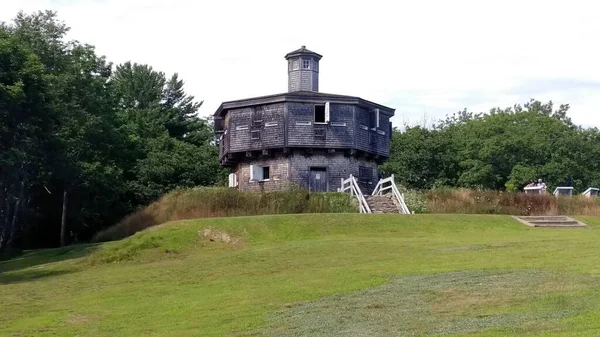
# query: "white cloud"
419,57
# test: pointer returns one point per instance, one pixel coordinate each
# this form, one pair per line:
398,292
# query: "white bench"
535,190
591,192
563,192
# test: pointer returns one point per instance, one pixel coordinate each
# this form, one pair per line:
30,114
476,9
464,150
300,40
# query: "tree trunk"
2,206
14,230
5,229
63,221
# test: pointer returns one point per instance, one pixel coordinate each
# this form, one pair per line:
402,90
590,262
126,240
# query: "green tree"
26,122
421,158
504,148
84,140
171,145
80,146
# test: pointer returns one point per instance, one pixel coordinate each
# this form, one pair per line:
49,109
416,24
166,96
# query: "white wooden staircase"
386,198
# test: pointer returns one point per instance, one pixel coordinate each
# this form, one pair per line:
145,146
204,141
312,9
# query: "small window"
295,65
255,134
257,118
306,64
319,114
374,116
315,65
319,133
365,174
259,173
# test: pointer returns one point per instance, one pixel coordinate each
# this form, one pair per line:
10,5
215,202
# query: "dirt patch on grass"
78,319
216,235
454,300
449,303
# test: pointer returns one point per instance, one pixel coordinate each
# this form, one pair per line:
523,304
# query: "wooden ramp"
550,221
382,203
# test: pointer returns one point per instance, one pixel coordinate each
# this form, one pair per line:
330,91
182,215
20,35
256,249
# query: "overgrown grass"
210,202
466,201
314,275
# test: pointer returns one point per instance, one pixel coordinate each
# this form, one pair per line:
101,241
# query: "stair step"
558,225
544,218
546,222
550,221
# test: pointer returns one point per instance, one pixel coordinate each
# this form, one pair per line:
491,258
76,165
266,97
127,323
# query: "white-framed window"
260,173
315,65
322,113
306,64
295,64
255,134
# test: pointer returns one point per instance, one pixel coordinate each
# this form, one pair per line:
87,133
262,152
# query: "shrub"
208,202
513,203
416,201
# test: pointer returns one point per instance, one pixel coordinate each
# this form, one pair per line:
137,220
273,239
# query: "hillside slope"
313,275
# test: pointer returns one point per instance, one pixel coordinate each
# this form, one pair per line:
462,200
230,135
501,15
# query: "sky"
424,58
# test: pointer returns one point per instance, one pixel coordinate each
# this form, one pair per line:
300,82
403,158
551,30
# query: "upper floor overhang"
301,97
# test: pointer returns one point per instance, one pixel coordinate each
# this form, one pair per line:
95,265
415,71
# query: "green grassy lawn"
314,275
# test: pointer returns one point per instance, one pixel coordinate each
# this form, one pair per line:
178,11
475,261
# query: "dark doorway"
318,181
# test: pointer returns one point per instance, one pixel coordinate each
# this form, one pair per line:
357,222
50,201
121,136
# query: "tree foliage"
501,149
81,145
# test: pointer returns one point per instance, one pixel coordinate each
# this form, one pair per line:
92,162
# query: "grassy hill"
313,275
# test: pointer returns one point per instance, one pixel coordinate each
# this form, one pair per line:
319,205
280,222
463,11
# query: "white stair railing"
388,184
350,185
